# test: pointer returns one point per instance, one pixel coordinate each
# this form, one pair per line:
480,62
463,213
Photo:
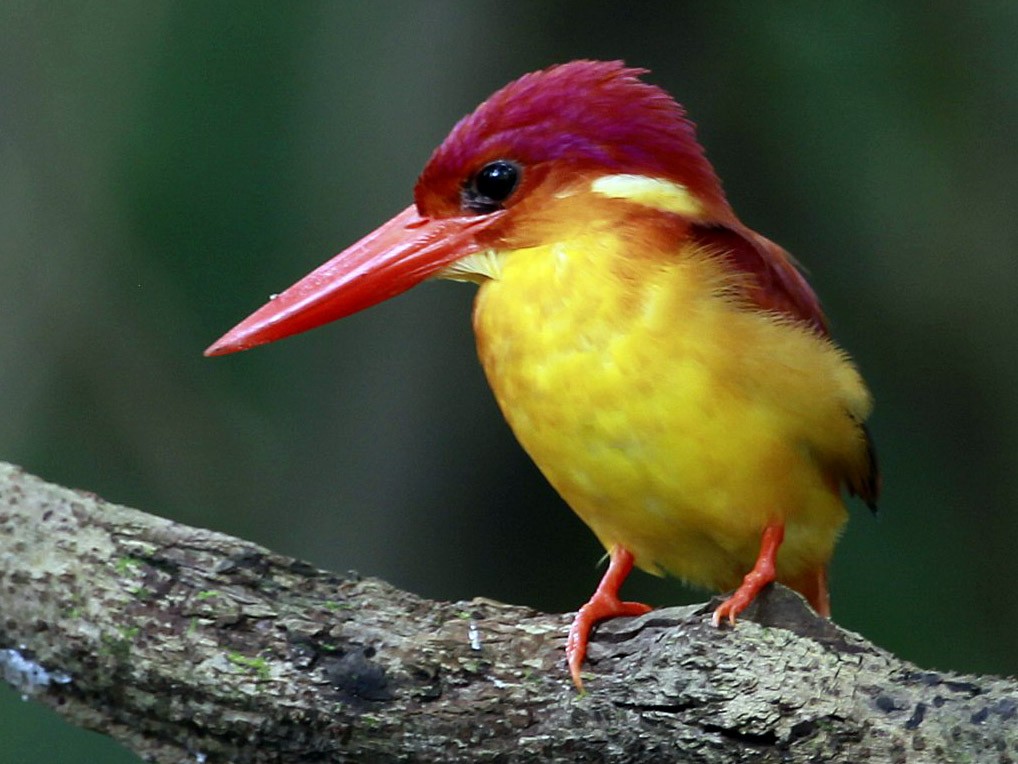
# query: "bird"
668,369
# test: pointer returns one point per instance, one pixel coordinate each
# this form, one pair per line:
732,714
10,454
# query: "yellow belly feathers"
670,418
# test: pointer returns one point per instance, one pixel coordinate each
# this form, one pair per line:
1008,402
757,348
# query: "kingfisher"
668,369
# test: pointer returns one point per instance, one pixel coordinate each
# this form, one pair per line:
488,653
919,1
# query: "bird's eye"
492,185
497,180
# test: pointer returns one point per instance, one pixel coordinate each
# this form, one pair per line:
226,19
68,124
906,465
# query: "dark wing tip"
868,486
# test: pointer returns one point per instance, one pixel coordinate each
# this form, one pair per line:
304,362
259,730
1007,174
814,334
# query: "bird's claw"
600,607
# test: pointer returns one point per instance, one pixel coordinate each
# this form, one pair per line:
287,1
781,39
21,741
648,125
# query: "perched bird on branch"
667,368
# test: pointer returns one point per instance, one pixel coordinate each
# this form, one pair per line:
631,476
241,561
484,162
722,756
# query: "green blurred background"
165,166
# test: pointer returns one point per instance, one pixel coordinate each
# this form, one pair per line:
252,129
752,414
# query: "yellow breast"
670,418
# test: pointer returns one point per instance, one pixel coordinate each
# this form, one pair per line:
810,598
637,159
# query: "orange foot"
761,575
604,604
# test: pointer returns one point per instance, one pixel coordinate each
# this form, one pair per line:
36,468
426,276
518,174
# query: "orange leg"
813,586
604,604
763,573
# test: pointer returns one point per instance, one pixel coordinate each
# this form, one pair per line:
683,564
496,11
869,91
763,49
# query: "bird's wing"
865,483
777,285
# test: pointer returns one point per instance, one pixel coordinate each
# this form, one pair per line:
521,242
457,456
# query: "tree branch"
185,644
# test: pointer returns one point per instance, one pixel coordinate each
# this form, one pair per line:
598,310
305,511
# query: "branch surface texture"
190,645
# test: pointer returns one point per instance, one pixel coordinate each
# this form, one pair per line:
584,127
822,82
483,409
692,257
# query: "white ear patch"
651,192
477,267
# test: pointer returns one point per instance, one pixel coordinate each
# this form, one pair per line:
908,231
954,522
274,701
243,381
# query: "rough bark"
189,645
